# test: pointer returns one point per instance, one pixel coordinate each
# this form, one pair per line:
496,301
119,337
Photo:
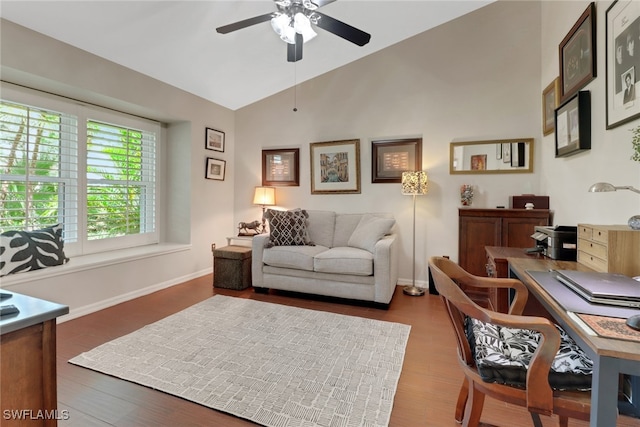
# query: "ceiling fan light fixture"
302,25
281,24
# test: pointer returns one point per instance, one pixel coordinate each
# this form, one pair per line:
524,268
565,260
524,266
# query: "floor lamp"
414,184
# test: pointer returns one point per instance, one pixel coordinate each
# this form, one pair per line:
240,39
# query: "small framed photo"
215,169
479,162
550,101
389,158
578,54
622,62
214,140
281,168
335,167
573,125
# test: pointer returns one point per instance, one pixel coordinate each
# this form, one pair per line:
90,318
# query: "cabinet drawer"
591,261
593,248
601,236
585,232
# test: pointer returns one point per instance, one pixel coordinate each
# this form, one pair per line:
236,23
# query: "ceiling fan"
292,22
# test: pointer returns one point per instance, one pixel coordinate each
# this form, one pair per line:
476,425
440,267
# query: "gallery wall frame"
622,24
335,167
215,169
281,167
573,125
214,140
577,53
550,101
391,157
479,162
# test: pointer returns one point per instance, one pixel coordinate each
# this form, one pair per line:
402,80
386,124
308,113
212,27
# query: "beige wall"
476,78
198,210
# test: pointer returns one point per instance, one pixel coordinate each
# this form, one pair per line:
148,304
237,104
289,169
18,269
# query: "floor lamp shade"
414,184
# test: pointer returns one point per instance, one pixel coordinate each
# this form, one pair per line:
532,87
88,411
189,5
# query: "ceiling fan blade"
294,51
321,3
343,30
244,23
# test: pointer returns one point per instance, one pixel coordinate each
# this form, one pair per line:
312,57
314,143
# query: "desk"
610,356
28,361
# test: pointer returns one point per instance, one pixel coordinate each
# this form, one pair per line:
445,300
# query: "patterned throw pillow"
31,250
287,228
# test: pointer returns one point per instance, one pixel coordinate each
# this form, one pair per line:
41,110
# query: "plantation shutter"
38,169
121,181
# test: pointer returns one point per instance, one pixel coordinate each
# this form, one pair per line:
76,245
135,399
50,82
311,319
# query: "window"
94,171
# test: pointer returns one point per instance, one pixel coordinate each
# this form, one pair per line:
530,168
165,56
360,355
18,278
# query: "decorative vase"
466,194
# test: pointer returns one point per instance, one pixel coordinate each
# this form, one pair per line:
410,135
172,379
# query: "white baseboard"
92,308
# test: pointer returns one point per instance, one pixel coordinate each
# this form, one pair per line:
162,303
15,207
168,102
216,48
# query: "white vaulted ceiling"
176,41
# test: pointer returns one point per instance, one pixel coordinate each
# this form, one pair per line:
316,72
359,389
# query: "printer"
558,242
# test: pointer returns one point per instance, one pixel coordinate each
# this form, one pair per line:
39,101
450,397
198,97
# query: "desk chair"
536,393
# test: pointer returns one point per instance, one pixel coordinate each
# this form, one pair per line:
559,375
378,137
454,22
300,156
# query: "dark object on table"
519,202
250,228
634,322
6,310
559,242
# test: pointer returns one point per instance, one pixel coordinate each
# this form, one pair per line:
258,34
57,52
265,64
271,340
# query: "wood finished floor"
426,394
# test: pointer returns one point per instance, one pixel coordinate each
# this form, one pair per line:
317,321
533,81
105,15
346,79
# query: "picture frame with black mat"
573,125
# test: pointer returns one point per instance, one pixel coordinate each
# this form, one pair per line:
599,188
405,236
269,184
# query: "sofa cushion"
503,354
31,250
345,225
370,229
296,257
287,228
320,227
344,260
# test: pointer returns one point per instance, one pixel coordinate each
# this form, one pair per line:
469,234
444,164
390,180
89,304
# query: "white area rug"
268,363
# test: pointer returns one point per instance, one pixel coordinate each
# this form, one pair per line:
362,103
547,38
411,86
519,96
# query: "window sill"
88,262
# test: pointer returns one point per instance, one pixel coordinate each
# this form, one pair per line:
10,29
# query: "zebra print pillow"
31,250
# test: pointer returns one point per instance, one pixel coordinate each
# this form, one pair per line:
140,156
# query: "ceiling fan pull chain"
295,88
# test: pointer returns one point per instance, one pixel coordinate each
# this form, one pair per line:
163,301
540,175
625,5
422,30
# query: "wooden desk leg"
604,392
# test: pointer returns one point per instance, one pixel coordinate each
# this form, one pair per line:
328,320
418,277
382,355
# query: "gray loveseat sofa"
353,256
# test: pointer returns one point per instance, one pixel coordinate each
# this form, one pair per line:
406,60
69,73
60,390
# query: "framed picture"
578,54
622,62
573,125
498,151
214,140
389,158
335,167
550,101
506,152
281,168
215,169
479,162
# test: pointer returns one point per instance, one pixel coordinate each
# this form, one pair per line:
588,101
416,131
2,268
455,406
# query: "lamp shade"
264,196
414,183
601,186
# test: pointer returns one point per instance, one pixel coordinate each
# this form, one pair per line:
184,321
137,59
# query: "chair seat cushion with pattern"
503,354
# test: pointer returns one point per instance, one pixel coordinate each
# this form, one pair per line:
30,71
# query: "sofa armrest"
257,250
385,268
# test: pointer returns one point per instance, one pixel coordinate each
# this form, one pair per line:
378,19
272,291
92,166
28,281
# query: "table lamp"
264,196
634,221
414,183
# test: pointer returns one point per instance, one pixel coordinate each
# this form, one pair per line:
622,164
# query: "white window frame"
84,113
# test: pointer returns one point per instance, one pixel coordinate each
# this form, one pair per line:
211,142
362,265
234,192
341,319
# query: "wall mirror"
498,156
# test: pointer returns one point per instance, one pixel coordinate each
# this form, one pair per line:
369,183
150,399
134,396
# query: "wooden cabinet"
478,228
28,390
609,248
